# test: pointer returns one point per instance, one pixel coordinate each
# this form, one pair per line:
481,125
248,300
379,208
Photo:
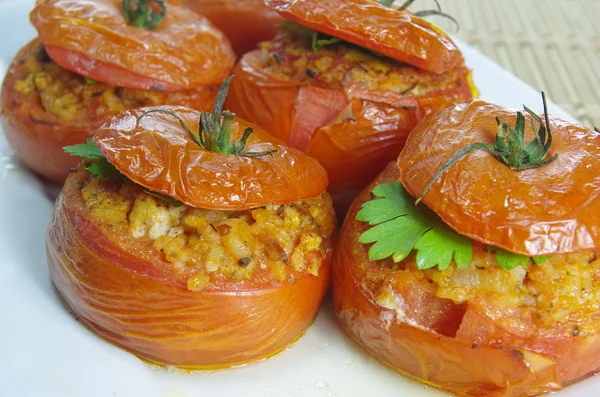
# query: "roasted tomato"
169,48
507,322
542,205
58,91
46,107
344,103
190,257
244,22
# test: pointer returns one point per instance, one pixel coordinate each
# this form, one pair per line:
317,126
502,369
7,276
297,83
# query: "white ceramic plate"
44,351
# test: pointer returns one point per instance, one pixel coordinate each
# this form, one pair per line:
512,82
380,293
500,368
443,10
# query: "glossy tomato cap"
92,38
156,152
547,210
366,23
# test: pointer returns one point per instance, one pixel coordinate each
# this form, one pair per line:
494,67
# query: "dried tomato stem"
215,128
146,14
510,148
225,133
461,153
187,129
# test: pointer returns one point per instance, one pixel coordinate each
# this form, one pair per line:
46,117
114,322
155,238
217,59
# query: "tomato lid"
93,38
552,209
156,152
396,34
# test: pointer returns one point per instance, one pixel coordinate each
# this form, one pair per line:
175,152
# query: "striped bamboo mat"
553,45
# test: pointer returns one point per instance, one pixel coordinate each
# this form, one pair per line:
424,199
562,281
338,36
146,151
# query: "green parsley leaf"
168,199
87,150
89,81
538,260
376,212
401,227
101,168
395,238
318,43
296,28
104,170
317,39
509,260
429,253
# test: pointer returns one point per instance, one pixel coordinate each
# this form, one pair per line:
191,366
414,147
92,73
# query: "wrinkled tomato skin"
466,349
156,152
359,131
121,288
37,137
245,22
398,35
93,39
354,151
544,210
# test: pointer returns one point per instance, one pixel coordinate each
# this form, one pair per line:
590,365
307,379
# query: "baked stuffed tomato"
345,81
244,22
186,248
489,286
88,64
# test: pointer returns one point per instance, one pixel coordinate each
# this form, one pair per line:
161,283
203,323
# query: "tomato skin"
433,339
102,71
121,288
548,210
353,133
245,22
157,153
353,148
37,136
97,42
576,354
398,35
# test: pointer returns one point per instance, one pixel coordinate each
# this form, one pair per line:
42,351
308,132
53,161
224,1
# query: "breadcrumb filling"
562,291
344,65
281,238
70,96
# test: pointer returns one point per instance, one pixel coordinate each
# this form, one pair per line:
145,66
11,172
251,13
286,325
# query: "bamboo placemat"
553,45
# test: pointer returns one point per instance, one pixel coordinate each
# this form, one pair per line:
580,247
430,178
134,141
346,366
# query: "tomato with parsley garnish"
94,59
192,239
346,81
472,262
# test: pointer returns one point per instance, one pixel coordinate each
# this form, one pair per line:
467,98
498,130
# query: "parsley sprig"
400,227
147,14
509,147
98,165
214,134
318,40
